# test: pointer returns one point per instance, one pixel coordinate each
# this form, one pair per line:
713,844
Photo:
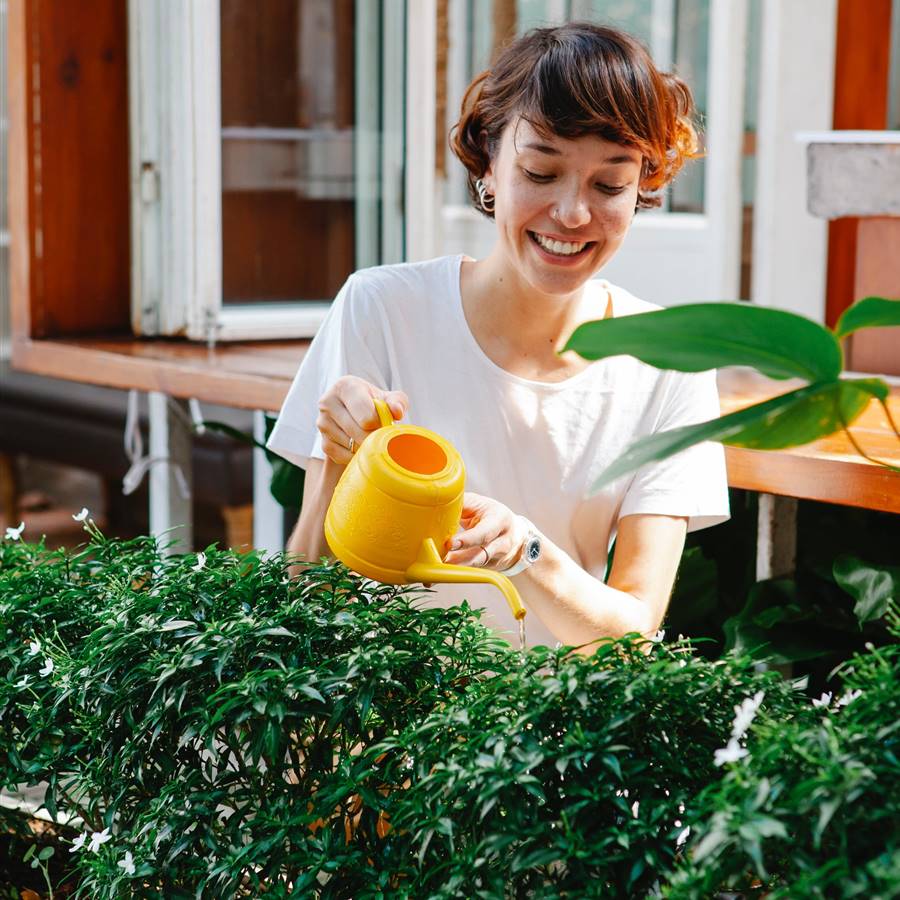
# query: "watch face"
533,549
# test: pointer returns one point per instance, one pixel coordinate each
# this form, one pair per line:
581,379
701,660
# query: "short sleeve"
691,483
350,341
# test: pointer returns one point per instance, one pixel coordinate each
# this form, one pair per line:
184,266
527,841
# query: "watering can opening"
417,453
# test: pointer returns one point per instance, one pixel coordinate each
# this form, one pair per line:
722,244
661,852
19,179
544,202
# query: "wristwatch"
531,551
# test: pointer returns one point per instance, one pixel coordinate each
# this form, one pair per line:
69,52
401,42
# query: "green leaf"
46,853
287,483
870,312
789,420
700,336
872,587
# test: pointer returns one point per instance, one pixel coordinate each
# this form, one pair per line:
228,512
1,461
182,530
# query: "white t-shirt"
535,446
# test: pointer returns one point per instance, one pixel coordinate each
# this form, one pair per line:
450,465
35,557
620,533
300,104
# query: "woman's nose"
572,211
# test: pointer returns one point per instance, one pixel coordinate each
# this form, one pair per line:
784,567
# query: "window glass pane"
675,31
288,117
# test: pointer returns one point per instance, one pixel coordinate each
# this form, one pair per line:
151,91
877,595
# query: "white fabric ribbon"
134,448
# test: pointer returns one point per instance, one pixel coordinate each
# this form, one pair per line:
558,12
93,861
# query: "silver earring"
484,198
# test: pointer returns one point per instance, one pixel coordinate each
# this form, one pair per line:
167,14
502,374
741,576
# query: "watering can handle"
384,412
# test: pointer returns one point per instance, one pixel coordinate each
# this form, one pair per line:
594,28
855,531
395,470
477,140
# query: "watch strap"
525,558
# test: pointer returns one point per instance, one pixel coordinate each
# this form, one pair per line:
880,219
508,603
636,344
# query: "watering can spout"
429,567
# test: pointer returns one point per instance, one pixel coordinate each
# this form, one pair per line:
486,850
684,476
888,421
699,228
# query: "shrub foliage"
218,729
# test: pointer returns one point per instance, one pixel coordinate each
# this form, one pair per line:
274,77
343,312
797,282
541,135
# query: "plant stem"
890,418
45,870
863,453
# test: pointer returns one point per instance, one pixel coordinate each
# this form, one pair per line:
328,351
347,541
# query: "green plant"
817,813
696,337
206,718
222,730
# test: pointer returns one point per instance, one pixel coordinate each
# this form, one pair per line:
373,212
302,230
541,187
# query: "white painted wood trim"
171,436
175,166
722,186
393,130
795,95
268,515
261,322
848,137
421,185
366,137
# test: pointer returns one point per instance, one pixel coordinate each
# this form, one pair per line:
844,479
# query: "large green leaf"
873,587
868,313
702,336
788,420
775,626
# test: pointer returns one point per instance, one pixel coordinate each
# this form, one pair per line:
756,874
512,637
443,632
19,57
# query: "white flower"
201,562
34,648
98,838
745,713
48,668
848,698
78,843
634,808
14,534
732,752
824,700
82,516
658,636
128,863
23,682
682,837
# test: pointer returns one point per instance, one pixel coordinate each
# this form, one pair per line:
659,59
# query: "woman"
564,139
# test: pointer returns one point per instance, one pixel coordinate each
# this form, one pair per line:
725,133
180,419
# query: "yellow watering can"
397,502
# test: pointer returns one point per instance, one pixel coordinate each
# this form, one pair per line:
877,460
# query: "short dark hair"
574,80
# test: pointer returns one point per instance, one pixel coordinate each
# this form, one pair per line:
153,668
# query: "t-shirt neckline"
489,363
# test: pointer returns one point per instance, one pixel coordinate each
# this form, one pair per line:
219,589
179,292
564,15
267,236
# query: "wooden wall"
862,65
69,213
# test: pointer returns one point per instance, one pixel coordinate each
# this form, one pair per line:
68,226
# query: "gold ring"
352,445
487,557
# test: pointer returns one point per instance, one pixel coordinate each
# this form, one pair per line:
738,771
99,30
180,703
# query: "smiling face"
562,205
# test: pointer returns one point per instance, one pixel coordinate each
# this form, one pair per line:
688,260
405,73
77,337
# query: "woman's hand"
347,410
491,537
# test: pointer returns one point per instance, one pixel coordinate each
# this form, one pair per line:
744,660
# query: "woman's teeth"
560,248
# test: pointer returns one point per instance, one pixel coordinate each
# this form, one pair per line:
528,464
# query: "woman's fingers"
347,410
398,402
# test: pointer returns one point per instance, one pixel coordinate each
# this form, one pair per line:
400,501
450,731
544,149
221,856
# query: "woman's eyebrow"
542,148
617,160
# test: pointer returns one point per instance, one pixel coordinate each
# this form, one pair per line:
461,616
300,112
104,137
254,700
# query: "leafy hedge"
222,730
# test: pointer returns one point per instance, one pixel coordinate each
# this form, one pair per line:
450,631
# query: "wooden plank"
862,64
69,116
20,161
846,482
258,375
244,376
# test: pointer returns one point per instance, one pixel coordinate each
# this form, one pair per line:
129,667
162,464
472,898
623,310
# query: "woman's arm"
577,607
308,537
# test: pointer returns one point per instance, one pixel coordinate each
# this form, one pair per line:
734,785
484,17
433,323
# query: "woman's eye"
535,176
